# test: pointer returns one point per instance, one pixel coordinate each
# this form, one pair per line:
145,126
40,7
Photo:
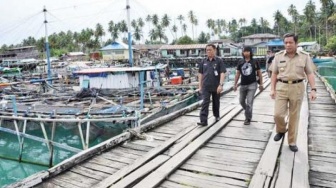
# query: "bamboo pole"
87,135
22,141
45,135
81,134
53,129
18,135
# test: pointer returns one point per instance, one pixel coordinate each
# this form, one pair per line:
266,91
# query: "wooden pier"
176,153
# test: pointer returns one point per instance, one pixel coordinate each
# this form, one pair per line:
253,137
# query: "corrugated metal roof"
119,69
261,35
307,43
115,46
183,47
147,46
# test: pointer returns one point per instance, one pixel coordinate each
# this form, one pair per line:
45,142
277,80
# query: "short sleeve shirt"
248,71
295,68
210,79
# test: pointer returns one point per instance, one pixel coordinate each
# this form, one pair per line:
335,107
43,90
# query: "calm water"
36,154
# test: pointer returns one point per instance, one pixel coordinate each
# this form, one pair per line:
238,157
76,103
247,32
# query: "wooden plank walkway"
322,139
224,154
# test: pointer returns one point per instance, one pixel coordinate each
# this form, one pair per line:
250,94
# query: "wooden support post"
51,145
22,141
81,134
45,134
87,135
18,135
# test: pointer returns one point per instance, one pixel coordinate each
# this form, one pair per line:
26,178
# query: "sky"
22,18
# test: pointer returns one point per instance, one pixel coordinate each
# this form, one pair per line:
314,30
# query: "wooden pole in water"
22,141
53,129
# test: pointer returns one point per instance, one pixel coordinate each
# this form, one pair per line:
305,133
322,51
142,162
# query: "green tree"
185,40
181,19
294,14
203,38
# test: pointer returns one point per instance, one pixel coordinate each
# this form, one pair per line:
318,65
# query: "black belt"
290,81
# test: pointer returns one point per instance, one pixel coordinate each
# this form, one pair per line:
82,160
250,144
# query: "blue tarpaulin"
276,42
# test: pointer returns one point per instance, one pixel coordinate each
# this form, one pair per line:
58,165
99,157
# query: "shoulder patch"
281,52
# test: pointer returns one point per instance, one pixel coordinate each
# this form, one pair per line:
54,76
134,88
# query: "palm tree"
196,24
327,9
152,35
123,27
181,18
277,20
309,12
184,28
160,32
174,29
99,32
294,14
192,21
137,33
165,21
210,24
155,19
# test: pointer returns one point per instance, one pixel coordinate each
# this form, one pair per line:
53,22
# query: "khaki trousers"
288,101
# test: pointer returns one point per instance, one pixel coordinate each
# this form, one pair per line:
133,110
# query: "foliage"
185,40
331,45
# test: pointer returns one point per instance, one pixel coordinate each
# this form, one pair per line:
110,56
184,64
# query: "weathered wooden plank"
321,166
219,166
61,182
182,142
238,142
286,166
141,172
216,172
225,181
256,117
97,175
100,168
323,159
244,135
253,125
241,155
155,178
225,159
130,151
267,162
154,143
171,184
125,171
322,183
118,158
323,176
322,154
301,167
195,182
233,148
106,162
133,146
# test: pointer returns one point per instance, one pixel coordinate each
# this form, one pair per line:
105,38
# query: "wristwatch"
221,84
313,89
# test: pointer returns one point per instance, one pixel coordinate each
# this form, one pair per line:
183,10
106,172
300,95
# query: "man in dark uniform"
211,80
290,67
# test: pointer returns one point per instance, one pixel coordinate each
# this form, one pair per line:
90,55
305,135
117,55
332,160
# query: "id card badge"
216,73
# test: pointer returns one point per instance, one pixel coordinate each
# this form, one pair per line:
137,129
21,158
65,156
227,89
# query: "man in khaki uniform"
290,68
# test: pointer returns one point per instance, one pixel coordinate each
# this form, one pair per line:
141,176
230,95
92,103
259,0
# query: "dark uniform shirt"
248,71
211,71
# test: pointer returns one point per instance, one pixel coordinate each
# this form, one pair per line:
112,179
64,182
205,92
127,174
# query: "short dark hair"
295,37
211,45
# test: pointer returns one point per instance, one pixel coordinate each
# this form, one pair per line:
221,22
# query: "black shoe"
293,148
217,119
247,121
278,136
202,123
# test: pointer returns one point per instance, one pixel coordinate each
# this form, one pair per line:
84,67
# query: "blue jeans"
246,98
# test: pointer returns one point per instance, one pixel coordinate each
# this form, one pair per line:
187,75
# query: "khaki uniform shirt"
291,69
